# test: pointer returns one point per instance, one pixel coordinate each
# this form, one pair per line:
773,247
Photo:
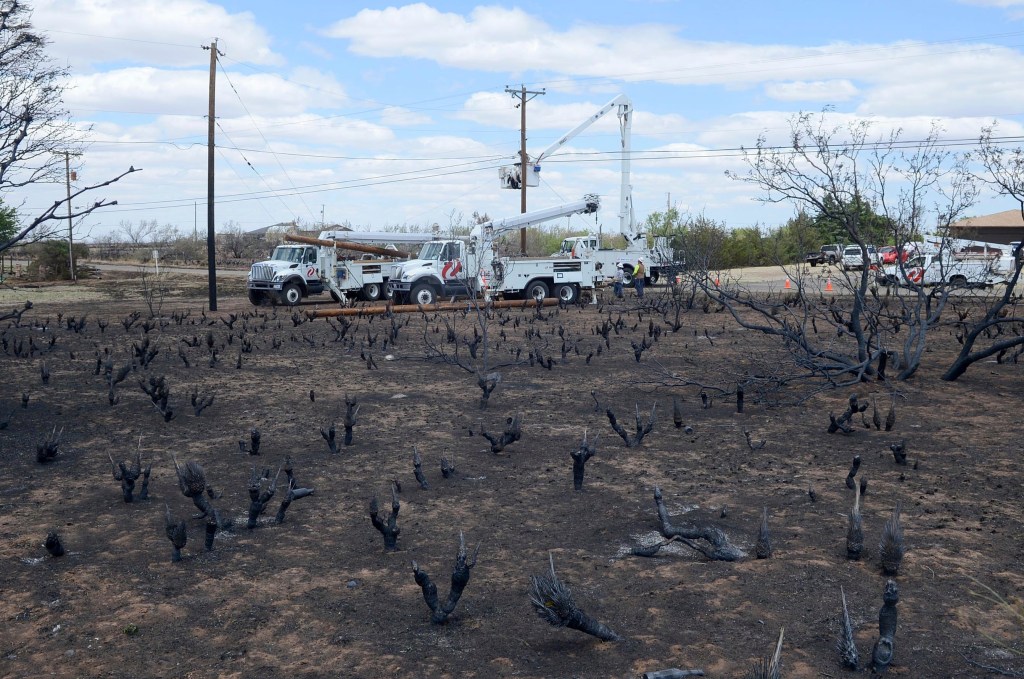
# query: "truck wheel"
813,263
655,277
537,290
291,294
958,282
256,297
627,277
831,259
423,294
567,293
371,292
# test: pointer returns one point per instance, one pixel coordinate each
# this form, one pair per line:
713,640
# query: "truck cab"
291,273
439,270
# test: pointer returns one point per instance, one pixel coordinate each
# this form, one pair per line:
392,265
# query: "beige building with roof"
1001,227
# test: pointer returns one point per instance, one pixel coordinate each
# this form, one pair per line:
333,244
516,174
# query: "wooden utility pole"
211,241
524,96
71,237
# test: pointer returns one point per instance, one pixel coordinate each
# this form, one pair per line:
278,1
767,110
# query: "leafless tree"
1004,172
837,172
35,128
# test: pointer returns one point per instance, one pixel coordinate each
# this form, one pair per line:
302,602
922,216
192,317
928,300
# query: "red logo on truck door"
451,269
310,272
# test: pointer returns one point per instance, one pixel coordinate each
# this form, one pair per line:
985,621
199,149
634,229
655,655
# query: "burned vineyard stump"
580,456
388,526
460,578
552,600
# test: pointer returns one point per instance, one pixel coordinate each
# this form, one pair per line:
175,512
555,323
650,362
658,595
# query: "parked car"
853,258
828,254
888,253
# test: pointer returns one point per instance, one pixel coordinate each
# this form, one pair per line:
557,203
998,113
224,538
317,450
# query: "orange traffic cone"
716,281
788,286
828,285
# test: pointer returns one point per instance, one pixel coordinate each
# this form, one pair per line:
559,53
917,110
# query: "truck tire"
567,293
536,289
958,281
291,294
813,262
627,276
832,259
654,278
372,292
423,294
256,297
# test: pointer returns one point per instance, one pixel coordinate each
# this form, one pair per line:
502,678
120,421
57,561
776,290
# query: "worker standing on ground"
639,271
617,281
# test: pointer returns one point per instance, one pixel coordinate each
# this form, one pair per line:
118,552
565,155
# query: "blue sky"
387,114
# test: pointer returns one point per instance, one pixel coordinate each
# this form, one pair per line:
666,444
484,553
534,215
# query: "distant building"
1001,227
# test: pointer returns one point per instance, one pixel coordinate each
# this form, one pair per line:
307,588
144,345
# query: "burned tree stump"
899,451
677,412
212,526
854,530
159,394
193,485
891,549
890,418
513,432
258,495
293,494
854,467
460,578
129,475
719,549
177,533
53,544
845,644
417,469
771,666
579,460
351,413
885,646
201,402
842,423
763,546
388,527
329,436
447,465
552,601
487,384
47,450
642,429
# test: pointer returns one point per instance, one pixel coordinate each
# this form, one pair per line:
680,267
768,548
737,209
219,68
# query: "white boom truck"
469,268
658,260
945,268
311,266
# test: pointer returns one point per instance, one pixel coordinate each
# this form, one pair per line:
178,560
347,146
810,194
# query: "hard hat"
619,265
639,259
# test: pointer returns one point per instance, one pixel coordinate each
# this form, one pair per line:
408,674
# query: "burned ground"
319,596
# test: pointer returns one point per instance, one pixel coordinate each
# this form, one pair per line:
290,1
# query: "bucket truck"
658,260
311,266
471,267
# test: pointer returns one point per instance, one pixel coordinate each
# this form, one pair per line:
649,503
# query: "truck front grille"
262,272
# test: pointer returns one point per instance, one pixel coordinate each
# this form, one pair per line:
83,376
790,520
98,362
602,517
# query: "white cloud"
826,91
398,116
166,32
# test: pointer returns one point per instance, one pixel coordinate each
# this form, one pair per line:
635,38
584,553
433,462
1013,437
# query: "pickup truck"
828,254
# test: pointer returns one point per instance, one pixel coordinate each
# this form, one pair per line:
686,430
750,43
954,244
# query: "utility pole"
71,239
211,244
524,96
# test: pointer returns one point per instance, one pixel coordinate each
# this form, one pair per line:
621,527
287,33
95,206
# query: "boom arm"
624,108
590,204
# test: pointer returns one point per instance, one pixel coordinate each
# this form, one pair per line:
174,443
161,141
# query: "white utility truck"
945,268
606,250
311,266
471,267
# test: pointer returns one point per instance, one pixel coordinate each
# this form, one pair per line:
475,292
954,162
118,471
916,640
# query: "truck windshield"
431,250
287,254
567,246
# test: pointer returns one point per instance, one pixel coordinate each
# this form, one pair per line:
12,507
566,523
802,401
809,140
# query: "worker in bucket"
617,281
639,271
